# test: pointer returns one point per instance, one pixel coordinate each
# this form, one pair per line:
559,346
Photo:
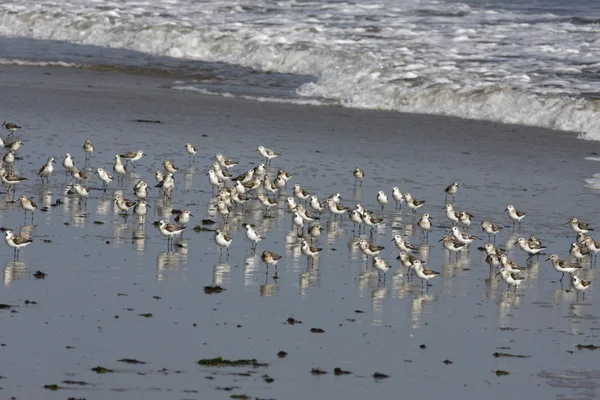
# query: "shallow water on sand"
104,272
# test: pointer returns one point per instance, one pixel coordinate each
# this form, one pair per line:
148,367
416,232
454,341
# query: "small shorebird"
268,154
88,148
451,213
413,203
169,231
133,156
300,193
531,251
82,192
382,266
27,205
183,218
140,189
11,179
451,190
382,199
578,252
222,240
563,266
463,237
140,210
592,246
316,204
191,150
105,177
403,245
68,164
47,169
315,231
267,202
11,127
452,245
9,158
509,265
252,235
491,229
369,249
425,225
14,146
578,226
424,273
170,167
309,251
580,285
123,204
167,185
270,258
359,175
225,162
511,278
15,241
398,197
119,169
336,208
515,215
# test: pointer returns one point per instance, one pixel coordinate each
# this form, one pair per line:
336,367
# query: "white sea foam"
422,56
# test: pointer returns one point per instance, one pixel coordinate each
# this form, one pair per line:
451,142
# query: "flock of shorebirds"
231,193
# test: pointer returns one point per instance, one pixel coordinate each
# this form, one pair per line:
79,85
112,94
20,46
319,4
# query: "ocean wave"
387,59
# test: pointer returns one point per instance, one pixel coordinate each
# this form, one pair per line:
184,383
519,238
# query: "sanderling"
356,218
225,162
531,251
158,175
214,180
15,241
140,190
260,170
511,278
381,266
279,182
2,144
509,265
245,177
183,218
369,249
403,245
27,205
336,208
413,203
123,204
252,235
191,150
424,224
68,163
369,220
224,210
253,184
267,202
581,237
563,266
133,156
451,213
578,252
592,245
452,245
169,166
309,251
492,260
269,187
14,146
221,173
267,153
119,169
424,273
407,261
300,193
239,186
298,222
11,179
580,285
382,199
534,242
237,198
316,205
270,258
284,175
515,215
305,214
105,177
398,197
451,191
463,237
490,228
47,169
11,127
465,218
578,226
359,175
78,174
291,204
9,158
167,185
315,230
88,148
169,230
222,239
336,198
140,210
82,192
491,249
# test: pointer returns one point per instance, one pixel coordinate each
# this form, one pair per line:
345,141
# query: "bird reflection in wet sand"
221,274
171,261
14,270
420,304
268,289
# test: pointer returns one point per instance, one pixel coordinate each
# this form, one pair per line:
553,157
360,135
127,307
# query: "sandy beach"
114,292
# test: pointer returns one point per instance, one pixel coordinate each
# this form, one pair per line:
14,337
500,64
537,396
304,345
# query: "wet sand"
101,277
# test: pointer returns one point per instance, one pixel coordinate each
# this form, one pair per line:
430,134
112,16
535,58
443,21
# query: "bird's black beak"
506,209
54,161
